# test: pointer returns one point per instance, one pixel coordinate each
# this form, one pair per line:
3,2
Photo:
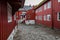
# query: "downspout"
52,16
35,15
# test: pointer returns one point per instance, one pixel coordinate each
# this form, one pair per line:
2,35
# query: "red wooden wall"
55,8
5,27
18,14
42,13
0,21
30,15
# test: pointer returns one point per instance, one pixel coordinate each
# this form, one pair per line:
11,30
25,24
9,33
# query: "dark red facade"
18,15
5,26
55,8
30,14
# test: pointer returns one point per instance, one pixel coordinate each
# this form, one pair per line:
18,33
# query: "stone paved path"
36,32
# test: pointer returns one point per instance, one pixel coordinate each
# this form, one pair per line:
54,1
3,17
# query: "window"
14,17
36,18
9,11
58,0
40,17
44,17
40,9
58,16
36,11
49,4
45,7
48,17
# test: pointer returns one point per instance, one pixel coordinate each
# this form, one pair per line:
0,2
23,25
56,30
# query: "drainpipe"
35,14
52,16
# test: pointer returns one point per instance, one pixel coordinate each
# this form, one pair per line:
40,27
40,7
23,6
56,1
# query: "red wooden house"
30,17
48,13
18,15
7,18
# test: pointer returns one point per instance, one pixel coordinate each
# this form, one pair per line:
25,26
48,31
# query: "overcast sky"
32,2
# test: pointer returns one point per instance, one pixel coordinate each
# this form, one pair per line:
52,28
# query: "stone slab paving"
35,32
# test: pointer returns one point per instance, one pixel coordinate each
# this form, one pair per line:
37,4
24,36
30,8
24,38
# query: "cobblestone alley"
36,32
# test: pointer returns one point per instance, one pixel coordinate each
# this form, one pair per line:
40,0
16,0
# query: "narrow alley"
29,19
36,32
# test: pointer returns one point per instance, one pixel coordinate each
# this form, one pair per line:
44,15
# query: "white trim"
49,5
58,17
14,17
29,21
9,11
12,34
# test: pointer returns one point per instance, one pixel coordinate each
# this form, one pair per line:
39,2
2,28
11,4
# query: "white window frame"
44,17
40,17
36,11
49,4
45,6
36,17
58,16
40,9
58,0
14,17
9,11
48,19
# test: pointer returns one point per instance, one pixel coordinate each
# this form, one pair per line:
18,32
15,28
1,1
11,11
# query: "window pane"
36,17
9,11
44,17
40,9
45,7
58,0
48,17
40,17
59,16
49,4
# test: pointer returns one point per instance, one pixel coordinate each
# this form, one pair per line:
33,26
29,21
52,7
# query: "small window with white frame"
9,11
36,11
44,17
40,17
45,7
49,4
14,17
36,18
40,9
58,16
48,17
58,0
